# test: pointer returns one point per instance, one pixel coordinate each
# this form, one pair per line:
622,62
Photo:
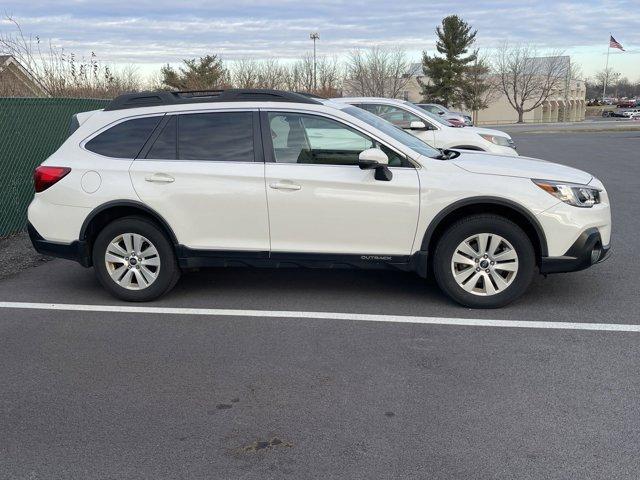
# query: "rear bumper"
587,250
77,250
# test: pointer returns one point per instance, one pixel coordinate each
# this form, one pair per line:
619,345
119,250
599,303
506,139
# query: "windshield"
432,116
394,132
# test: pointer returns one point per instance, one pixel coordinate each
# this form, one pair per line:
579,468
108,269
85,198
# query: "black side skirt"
193,258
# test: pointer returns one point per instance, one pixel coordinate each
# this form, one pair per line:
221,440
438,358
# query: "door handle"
284,186
160,178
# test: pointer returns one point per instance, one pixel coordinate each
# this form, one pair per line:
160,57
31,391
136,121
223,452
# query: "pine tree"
196,74
446,74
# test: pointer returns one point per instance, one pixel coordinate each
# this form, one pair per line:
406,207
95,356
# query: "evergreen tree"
446,74
196,74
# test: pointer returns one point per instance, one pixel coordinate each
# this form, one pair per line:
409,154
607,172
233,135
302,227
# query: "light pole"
314,36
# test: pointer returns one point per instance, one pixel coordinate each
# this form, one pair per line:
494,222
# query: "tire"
145,276
513,261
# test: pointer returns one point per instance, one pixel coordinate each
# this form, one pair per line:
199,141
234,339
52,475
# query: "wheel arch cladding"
110,211
478,205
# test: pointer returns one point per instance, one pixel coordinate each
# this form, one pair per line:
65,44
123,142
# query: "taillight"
44,177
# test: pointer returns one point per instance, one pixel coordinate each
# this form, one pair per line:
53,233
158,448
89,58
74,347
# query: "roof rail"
311,95
152,99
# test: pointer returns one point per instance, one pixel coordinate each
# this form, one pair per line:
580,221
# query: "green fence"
31,129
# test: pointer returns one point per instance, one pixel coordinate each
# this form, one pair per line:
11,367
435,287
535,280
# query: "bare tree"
271,74
304,69
482,87
607,76
377,72
252,73
62,73
244,73
526,79
329,76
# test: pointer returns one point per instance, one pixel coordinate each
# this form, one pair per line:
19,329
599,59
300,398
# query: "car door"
321,202
403,118
204,173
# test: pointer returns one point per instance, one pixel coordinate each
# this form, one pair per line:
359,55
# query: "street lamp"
314,36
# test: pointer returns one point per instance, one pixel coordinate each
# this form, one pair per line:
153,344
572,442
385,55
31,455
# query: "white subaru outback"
159,183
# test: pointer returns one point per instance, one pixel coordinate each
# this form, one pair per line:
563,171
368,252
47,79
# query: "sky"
150,33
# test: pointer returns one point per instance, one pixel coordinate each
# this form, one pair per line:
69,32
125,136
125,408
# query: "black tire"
168,274
473,225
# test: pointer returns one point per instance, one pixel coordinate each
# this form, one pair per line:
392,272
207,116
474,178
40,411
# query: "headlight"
571,193
502,141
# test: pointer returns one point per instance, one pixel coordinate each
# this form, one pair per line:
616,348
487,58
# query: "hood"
488,131
524,167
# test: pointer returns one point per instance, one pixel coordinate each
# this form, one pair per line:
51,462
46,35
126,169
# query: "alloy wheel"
484,264
132,261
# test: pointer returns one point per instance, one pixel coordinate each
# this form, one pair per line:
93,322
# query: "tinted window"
124,140
165,145
225,136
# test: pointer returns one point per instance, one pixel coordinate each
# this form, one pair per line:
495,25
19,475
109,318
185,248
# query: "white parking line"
361,317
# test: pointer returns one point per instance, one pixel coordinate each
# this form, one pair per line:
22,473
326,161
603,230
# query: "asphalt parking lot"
240,392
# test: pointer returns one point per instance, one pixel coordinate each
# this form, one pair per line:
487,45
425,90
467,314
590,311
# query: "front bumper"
77,250
587,250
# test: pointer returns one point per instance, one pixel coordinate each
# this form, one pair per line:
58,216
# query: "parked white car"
158,183
433,129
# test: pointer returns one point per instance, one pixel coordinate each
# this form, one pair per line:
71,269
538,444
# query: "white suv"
158,183
433,129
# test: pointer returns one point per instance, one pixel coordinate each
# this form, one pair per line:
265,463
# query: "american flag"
613,43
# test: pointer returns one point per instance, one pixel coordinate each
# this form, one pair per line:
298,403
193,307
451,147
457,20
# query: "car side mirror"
417,125
375,159
372,158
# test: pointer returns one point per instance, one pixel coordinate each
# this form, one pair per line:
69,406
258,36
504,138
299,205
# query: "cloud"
162,31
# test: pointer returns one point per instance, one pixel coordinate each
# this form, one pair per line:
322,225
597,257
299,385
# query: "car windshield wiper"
446,154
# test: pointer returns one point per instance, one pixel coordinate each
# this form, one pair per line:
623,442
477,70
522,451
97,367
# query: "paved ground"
121,395
589,125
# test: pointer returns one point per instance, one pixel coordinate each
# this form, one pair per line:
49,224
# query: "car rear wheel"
134,260
484,261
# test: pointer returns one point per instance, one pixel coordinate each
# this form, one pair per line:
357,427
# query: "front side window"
124,140
392,114
309,139
220,136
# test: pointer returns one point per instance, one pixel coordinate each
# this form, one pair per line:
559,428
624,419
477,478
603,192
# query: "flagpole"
606,70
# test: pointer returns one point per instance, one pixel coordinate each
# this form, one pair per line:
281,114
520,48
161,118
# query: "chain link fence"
31,129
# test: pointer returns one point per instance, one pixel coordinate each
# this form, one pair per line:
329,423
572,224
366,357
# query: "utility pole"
314,36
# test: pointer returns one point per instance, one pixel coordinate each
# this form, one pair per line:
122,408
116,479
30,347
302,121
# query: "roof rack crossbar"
159,98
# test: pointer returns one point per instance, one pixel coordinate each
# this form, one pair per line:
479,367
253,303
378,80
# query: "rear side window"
224,136
165,146
124,140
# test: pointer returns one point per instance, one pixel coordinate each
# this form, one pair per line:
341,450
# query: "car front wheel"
484,261
134,260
